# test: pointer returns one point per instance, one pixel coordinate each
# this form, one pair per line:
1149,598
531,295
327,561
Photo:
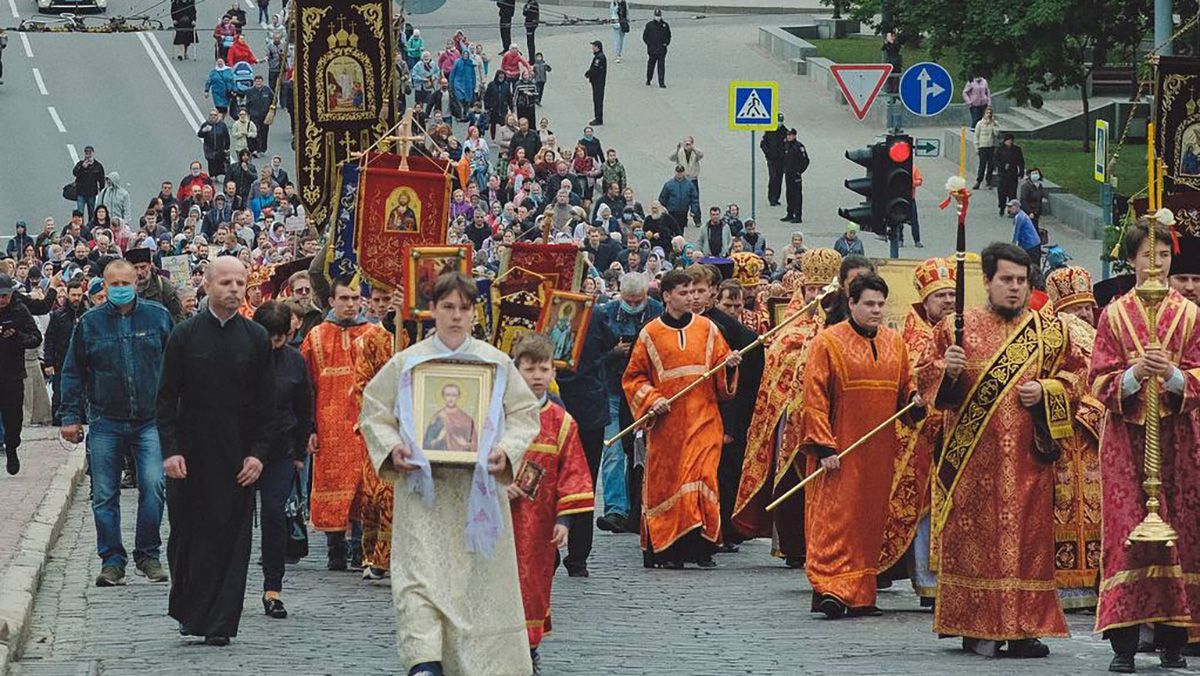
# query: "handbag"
69,193
270,117
296,514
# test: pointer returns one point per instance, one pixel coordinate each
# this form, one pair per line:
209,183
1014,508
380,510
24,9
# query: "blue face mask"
632,309
121,295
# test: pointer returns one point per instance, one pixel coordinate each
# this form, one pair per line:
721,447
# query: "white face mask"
1035,176
195,172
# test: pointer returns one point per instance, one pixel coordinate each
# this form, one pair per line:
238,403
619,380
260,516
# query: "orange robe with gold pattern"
995,524
852,383
767,468
371,352
565,488
337,467
683,447
1077,487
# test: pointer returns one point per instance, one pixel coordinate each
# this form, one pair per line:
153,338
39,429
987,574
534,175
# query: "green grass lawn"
866,50
1065,163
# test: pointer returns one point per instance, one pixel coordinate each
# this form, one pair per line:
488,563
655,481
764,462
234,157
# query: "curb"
19,582
700,7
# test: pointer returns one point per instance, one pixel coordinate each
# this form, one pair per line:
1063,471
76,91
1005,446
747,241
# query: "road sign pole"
1106,199
753,196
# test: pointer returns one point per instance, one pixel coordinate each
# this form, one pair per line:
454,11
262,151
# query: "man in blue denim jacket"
113,364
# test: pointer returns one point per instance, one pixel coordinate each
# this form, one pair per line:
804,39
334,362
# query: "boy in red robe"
552,483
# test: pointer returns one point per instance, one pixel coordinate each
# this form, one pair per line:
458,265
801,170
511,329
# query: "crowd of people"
242,369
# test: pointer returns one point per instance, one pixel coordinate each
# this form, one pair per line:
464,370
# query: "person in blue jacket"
220,85
462,84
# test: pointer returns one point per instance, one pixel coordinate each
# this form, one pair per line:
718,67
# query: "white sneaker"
618,59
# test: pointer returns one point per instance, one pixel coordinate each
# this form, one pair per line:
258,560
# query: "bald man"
216,397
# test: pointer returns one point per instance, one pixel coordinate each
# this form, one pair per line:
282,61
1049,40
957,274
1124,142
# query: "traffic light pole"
894,126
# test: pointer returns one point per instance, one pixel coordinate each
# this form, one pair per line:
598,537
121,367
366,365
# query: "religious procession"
446,349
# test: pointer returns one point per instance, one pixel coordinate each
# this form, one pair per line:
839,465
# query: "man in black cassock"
737,412
214,400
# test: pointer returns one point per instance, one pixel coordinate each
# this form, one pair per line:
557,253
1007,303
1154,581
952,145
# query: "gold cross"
347,142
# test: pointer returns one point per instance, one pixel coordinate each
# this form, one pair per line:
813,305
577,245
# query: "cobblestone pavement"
749,616
20,495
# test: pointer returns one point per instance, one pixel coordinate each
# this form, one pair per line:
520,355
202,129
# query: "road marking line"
57,120
162,73
251,5
25,44
12,5
191,101
71,150
41,84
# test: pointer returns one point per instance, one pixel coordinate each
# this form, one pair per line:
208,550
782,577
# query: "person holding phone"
18,333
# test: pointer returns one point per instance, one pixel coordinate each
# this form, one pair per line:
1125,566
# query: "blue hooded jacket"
219,84
462,79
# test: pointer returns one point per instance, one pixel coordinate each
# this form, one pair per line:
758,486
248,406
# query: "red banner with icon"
399,208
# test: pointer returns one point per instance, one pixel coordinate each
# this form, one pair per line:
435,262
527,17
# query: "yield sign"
860,83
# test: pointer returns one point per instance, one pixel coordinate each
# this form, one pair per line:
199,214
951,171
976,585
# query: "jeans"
82,201
976,115
612,465
274,484
987,168
264,16
618,40
106,441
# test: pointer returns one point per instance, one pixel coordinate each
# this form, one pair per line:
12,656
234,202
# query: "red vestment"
683,447
767,468
337,466
1148,582
908,497
372,350
564,487
993,504
852,383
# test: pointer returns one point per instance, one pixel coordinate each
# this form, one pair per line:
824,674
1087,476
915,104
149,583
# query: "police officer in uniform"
772,144
596,74
795,162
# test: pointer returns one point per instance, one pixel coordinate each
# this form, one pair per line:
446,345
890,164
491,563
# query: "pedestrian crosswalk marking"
753,108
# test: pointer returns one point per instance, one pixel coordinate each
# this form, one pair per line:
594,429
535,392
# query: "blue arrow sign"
926,89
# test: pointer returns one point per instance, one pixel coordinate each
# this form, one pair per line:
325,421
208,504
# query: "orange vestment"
371,351
851,384
993,500
337,466
683,448
563,487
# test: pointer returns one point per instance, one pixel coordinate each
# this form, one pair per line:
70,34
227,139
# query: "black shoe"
596,123
1172,658
647,83
786,219
577,571
976,186
671,565
128,481
774,204
216,640
1122,664
706,563
1027,648
337,563
729,549
794,562
14,463
868,611
273,607
662,86
612,523
832,608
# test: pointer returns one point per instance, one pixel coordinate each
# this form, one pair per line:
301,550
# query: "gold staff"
829,288
821,470
1152,292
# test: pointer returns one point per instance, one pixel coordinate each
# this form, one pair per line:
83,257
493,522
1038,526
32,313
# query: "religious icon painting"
565,318
517,297
425,265
529,478
777,310
450,402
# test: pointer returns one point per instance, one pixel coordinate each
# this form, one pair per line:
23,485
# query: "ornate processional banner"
562,265
344,98
343,255
1177,122
399,209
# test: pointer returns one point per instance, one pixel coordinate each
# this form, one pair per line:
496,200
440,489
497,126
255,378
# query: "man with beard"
737,410
1004,391
214,401
151,286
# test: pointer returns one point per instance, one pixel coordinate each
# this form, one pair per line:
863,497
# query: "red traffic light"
899,152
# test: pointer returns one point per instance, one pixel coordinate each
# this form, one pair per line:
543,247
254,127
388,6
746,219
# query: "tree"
1045,45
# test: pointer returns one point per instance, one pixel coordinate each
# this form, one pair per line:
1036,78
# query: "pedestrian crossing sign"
753,106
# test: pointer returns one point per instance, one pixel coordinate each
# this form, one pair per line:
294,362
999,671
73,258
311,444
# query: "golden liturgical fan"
1152,292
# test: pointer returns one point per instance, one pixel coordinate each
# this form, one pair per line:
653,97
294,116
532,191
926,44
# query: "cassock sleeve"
1108,366
818,438
377,422
639,388
575,491
170,387
931,371
1189,366
907,387
522,419
726,379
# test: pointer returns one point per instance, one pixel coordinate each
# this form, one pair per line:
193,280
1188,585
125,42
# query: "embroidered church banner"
1185,206
343,254
562,265
1177,122
518,296
344,100
398,209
